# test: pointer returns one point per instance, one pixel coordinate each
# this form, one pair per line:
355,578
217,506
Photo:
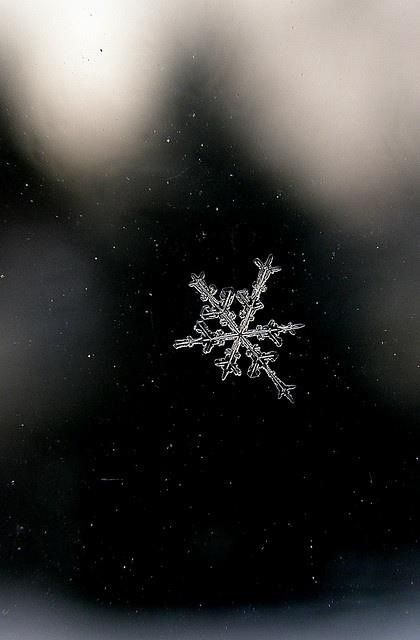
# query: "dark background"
141,478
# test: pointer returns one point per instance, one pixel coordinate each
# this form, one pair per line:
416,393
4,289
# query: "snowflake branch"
219,307
252,304
260,362
228,363
207,339
272,331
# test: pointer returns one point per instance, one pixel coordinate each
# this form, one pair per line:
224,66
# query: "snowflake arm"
228,364
252,303
207,338
260,362
272,331
217,307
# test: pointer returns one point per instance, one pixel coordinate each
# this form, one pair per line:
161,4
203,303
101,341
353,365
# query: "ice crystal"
236,330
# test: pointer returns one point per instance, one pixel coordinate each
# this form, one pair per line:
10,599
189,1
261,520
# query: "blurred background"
140,142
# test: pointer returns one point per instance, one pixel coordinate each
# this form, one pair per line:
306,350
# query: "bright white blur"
329,93
326,94
83,78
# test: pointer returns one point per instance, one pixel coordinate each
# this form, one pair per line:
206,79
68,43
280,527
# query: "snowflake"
237,332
